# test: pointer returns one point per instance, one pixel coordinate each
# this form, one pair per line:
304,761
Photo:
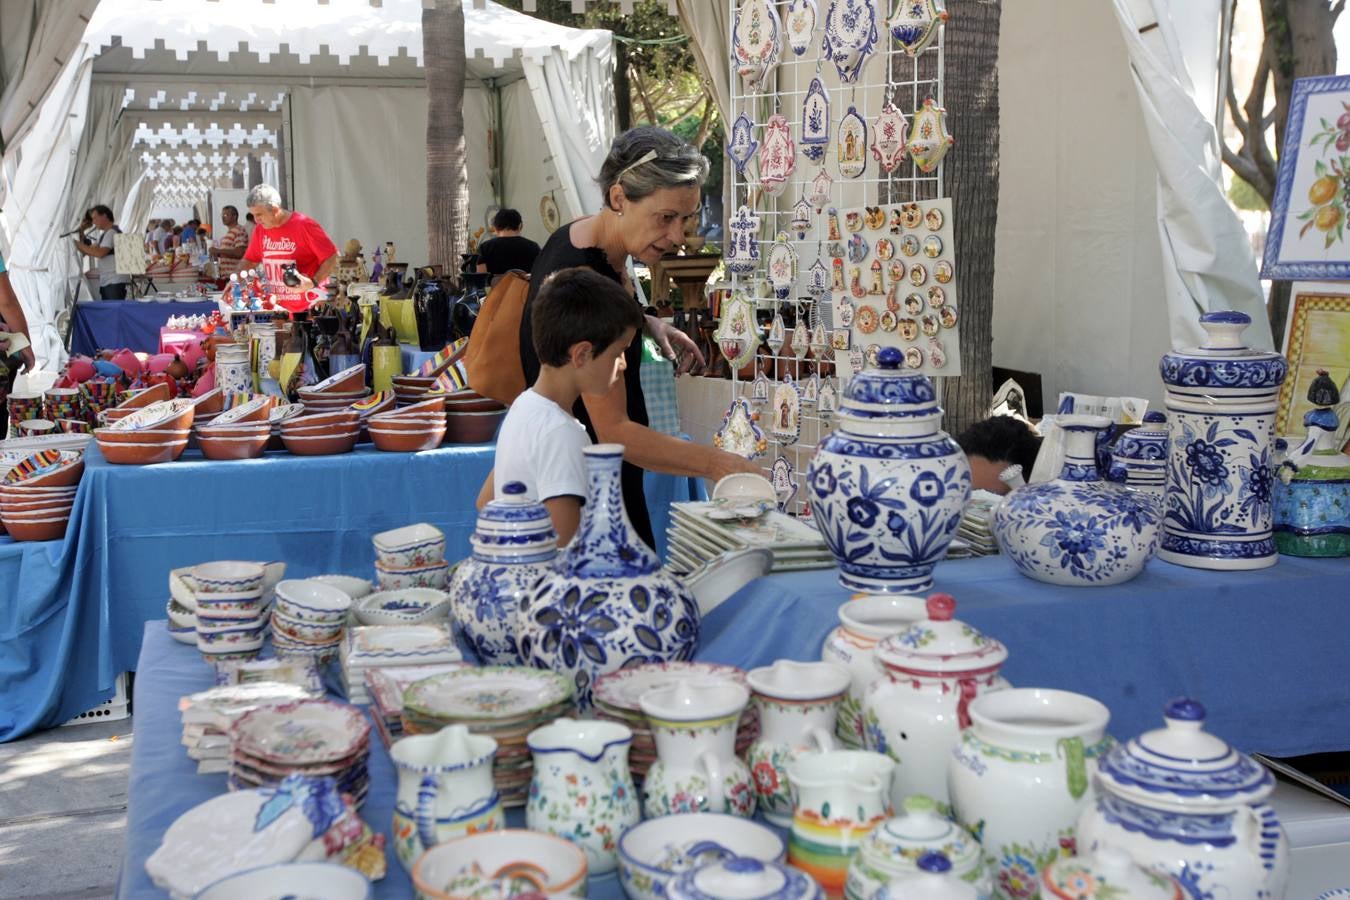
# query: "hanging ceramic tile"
739,434
801,24
929,140
850,36
777,334
756,42
852,144
828,401
800,223
818,280
811,388
815,121
801,340
777,155
784,485
742,145
782,265
843,313
857,248
759,388
874,217
820,338
839,339
822,189
914,23
737,334
785,410
889,132
743,257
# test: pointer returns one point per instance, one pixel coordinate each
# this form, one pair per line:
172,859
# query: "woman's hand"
29,360
666,335
724,464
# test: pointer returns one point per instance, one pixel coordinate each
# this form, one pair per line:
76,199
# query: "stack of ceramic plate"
385,686
371,646
616,697
207,717
977,524
702,531
505,703
305,737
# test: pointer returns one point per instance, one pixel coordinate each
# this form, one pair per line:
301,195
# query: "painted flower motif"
874,736
1077,536
895,523
575,628
682,802
1206,463
862,512
741,798
766,778
927,489
1254,494
824,481
1017,876
1068,845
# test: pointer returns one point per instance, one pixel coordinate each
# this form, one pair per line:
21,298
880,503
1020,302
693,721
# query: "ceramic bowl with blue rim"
409,606
654,852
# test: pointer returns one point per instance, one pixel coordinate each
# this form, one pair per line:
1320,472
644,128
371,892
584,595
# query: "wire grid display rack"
889,75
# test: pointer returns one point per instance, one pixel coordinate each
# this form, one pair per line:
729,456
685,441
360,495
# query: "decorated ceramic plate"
491,692
621,689
398,644
387,683
309,731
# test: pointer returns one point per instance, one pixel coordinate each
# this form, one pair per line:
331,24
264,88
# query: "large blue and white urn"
608,605
513,547
1221,402
887,488
1079,529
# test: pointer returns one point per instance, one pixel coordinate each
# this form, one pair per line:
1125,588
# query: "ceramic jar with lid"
513,546
887,488
892,850
1183,801
1139,456
1221,401
747,878
1107,872
933,880
863,622
917,707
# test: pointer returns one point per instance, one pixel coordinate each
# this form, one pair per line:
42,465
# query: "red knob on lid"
941,607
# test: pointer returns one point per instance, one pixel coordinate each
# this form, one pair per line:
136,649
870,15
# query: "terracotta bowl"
423,382
407,441
44,529
142,399
180,419
68,474
109,416
410,423
472,427
148,436
248,447
257,409
474,403
235,430
24,493
142,454
403,399
347,381
321,445
433,406
33,507
328,419
210,403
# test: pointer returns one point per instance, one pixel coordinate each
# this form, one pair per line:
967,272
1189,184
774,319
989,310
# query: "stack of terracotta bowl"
209,405
381,401
38,493
321,434
156,434
137,400
241,432
471,418
420,426
336,392
410,389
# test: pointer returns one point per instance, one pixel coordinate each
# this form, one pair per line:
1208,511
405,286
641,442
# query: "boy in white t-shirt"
582,324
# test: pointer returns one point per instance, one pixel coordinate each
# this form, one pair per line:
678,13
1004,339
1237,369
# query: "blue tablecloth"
113,324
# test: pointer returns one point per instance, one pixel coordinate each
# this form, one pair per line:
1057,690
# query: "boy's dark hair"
576,305
102,210
507,220
1002,439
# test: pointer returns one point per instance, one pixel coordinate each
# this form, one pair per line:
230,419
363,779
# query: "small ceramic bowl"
46,529
310,601
353,587
499,854
226,577
744,487
654,852
254,622
410,547
235,611
308,632
437,577
230,640
414,606
308,879
180,616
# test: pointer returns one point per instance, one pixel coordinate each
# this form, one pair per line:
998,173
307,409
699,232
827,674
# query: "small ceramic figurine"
1312,493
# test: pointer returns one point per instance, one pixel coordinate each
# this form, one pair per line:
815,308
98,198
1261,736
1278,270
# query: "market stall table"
135,324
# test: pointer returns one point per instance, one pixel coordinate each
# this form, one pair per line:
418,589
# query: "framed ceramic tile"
1316,336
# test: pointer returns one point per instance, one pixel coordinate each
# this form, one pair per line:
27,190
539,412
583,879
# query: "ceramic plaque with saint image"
801,340
782,265
777,155
815,122
737,334
852,144
914,23
784,485
759,388
851,36
785,411
888,136
739,434
811,388
742,145
743,248
801,25
777,333
756,42
828,400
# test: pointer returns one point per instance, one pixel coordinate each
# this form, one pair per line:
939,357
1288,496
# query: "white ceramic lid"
895,845
941,645
743,878
787,679
934,880
1107,872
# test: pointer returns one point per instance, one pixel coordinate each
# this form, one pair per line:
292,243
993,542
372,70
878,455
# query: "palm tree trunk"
447,166
971,94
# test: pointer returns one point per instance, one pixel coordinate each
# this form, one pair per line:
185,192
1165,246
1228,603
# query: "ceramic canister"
1021,776
1221,401
840,796
934,880
893,848
1139,456
863,622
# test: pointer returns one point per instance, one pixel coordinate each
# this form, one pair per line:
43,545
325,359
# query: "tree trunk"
971,93
623,90
447,166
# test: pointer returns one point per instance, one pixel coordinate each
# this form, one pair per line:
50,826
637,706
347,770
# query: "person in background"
189,233
11,311
284,237
506,250
165,235
232,244
175,238
994,444
152,234
112,285
249,224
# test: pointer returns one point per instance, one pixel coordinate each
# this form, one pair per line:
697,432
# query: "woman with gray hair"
285,238
651,184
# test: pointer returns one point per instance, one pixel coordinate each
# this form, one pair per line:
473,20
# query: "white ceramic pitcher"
445,789
694,724
840,797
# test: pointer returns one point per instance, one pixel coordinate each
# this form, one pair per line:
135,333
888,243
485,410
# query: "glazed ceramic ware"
1312,493
655,851
916,709
888,487
414,606
1183,801
840,796
798,703
519,861
1104,873
444,790
1221,401
746,877
1021,776
933,880
513,546
610,604
863,622
410,547
1078,530
332,882
581,788
892,850
1139,456
696,770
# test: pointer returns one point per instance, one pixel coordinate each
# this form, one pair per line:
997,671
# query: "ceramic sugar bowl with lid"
1183,801
893,849
745,877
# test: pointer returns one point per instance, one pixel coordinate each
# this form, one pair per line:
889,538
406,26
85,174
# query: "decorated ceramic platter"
307,731
622,689
490,692
400,644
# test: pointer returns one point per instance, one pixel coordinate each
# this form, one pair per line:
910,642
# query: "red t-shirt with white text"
300,240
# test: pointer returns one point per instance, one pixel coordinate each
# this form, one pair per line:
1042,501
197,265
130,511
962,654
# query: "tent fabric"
709,29
38,39
574,100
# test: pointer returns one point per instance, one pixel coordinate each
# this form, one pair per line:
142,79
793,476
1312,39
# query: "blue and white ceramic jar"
609,604
1221,401
1183,801
1078,530
1139,457
888,487
513,547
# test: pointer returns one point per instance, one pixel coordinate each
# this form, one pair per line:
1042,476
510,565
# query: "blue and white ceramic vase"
1139,457
888,487
1183,801
513,547
1079,529
609,604
1221,401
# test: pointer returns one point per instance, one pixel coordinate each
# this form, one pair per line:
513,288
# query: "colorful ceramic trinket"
915,23
929,140
1312,492
815,122
888,137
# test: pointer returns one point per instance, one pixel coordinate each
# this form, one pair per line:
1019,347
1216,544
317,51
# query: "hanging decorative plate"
933,219
913,304
909,328
850,36
936,354
818,280
784,485
756,42
822,188
936,296
853,221
875,217
828,401
897,271
889,321
929,325
917,275
839,339
872,355
932,246
786,410
742,145
815,121
759,388
782,267
888,136
777,334
548,213
801,24
885,249
737,335
909,245
801,219
943,271
857,248
739,434
743,257
929,140
948,316
913,358
914,23
852,144
801,340
910,215
896,221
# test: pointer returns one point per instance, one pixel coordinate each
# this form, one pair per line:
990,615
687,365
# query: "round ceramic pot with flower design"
1221,402
1078,529
887,488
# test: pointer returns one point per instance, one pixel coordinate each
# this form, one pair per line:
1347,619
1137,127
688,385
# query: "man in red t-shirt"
283,237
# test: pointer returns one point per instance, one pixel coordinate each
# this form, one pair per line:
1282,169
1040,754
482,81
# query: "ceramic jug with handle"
840,797
445,789
696,770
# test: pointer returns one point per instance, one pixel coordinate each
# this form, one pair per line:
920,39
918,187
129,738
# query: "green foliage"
1243,196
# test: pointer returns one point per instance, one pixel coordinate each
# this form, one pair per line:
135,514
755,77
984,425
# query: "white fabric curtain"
708,24
1208,263
37,39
